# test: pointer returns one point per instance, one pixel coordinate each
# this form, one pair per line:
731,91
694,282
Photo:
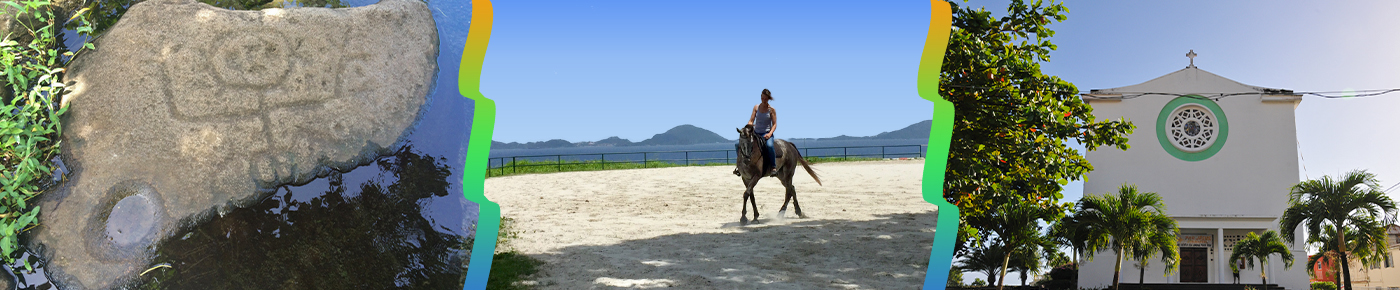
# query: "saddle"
767,166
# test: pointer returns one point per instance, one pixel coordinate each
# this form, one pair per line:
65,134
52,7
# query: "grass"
531,167
509,267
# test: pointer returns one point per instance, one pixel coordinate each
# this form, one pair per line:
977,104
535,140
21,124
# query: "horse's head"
748,143
746,132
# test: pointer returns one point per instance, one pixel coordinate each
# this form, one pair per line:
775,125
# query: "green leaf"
7,243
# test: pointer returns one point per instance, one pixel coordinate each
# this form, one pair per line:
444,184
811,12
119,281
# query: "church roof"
1190,80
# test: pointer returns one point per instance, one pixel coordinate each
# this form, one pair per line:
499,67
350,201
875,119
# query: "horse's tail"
805,165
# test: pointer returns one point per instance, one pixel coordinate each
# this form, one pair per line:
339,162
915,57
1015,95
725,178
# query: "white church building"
1221,154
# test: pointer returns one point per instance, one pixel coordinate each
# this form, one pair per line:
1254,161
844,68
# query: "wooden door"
1193,265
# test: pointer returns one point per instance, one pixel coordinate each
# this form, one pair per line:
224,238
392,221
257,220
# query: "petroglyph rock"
185,110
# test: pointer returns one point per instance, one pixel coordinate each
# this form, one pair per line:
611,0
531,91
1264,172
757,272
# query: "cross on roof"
1192,55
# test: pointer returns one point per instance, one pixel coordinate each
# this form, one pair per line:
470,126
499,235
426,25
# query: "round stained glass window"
1192,128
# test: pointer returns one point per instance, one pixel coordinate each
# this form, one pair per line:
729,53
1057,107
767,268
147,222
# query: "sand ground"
866,228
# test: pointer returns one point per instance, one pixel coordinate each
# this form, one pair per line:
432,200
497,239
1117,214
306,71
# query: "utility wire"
1216,96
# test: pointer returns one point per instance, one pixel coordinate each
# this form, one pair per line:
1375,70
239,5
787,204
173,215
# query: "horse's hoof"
801,216
744,221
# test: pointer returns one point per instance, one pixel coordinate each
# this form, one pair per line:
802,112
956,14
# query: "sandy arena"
866,228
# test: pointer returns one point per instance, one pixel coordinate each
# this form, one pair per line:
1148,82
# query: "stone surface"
186,110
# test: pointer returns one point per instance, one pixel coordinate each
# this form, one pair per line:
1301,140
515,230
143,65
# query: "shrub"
29,114
1323,286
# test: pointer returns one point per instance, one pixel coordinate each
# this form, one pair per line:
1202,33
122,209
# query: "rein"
753,150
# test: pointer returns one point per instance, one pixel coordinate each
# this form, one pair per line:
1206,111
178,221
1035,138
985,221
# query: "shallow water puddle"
364,229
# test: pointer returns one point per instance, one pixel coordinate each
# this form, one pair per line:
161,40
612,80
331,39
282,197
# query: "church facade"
1222,155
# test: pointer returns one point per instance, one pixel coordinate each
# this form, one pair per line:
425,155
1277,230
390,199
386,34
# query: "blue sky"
587,70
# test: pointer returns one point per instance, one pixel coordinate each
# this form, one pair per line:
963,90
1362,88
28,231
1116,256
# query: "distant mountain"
680,135
556,143
613,141
687,135
684,135
916,131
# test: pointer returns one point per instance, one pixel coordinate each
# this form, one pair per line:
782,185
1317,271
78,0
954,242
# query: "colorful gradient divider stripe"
488,220
484,121
940,259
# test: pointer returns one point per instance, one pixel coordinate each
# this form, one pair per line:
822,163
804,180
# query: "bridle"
747,144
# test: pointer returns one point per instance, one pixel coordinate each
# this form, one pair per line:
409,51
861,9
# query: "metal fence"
513,164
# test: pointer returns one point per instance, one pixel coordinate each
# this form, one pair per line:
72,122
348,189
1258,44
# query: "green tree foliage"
955,277
1013,122
986,260
1154,245
1260,247
1350,202
1057,258
1128,223
1064,277
1365,243
1017,228
1070,232
32,68
1323,286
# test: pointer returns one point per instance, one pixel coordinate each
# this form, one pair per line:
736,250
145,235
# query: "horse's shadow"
773,218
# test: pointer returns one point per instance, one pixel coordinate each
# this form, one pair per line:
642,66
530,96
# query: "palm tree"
1126,223
1366,243
1342,204
1055,258
1025,263
955,277
1260,247
986,260
1017,226
1069,232
1153,245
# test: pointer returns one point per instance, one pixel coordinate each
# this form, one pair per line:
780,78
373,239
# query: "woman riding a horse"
764,120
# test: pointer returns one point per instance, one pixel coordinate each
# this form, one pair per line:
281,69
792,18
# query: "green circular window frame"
1190,156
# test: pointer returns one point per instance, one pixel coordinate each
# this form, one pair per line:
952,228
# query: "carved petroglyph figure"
186,110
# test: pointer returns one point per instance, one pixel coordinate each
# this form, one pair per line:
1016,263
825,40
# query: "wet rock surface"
186,110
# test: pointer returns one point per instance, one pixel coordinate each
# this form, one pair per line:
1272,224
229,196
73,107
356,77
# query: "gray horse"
750,165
